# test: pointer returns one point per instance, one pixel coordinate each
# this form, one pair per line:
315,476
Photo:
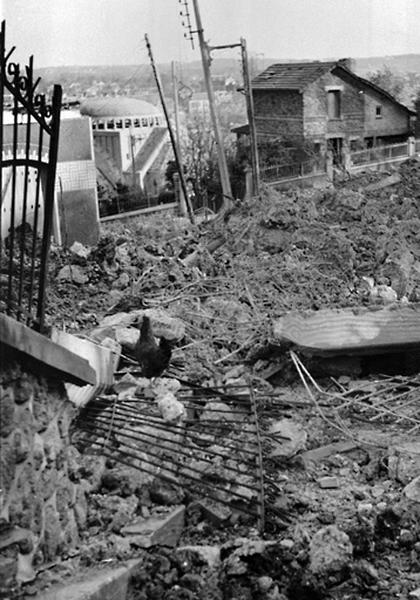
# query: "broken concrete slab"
404,462
328,483
171,409
126,386
219,412
103,360
412,490
330,551
127,336
215,512
107,584
74,274
163,325
323,452
352,331
383,183
80,250
121,319
209,554
287,438
158,530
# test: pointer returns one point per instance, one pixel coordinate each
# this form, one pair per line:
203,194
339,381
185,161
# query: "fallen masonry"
251,468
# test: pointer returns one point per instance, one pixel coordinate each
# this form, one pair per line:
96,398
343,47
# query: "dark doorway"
335,145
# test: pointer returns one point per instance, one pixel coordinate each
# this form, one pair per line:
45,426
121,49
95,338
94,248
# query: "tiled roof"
291,76
297,75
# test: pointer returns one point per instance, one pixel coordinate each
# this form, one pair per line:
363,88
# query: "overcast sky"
90,32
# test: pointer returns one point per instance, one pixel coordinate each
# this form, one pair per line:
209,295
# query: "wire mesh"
215,451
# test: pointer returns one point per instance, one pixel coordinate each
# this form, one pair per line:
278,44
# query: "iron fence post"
49,201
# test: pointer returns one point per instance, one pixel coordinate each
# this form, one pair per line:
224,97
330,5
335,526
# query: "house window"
378,111
119,124
101,125
334,104
127,123
144,122
136,122
110,124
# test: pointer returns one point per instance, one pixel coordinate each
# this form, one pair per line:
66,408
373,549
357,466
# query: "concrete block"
323,452
328,483
157,530
109,584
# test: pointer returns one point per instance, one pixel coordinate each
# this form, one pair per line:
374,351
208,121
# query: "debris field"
253,468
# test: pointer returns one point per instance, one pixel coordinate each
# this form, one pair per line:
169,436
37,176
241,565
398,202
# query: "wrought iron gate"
29,130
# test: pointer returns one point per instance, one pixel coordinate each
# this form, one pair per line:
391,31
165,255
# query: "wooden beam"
352,331
31,343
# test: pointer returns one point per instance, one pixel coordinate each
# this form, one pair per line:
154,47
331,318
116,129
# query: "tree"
417,109
389,81
200,158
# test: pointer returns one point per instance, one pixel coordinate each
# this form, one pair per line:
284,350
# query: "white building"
131,140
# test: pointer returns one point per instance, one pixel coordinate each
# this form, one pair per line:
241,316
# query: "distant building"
131,141
198,105
328,105
76,215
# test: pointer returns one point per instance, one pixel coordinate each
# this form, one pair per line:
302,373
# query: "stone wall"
316,121
294,115
278,113
43,503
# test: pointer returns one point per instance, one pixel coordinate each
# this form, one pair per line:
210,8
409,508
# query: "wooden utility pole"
176,104
251,119
205,58
171,133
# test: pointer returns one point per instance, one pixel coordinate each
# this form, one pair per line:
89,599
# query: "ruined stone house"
326,106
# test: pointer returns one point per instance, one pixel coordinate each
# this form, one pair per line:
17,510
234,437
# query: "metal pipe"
157,419
213,485
174,481
36,216
160,425
189,403
138,437
49,201
25,191
11,237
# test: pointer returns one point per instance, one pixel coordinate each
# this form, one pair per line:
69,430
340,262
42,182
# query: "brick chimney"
348,63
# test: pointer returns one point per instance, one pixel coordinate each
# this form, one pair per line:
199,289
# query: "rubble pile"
343,464
297,250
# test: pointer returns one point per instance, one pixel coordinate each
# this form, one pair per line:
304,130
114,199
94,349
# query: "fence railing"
28,159
131,203
379,153
292,170
367,156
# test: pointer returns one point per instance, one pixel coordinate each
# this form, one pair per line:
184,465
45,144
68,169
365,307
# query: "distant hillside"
404,63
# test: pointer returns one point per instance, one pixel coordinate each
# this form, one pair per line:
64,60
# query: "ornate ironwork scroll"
29,130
